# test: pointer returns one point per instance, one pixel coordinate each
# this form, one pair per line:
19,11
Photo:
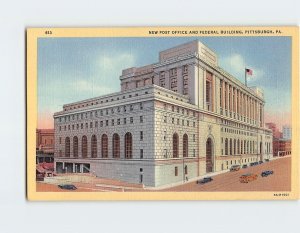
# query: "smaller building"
44,145
281,147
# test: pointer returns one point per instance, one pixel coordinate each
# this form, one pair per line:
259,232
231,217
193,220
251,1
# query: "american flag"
249,71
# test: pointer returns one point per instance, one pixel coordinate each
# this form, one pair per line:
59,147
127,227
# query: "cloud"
235,64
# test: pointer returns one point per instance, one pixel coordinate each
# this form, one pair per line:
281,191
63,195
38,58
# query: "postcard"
163,113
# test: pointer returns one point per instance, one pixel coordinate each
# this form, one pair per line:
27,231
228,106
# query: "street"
279,181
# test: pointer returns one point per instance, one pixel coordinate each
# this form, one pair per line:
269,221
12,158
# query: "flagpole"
246,77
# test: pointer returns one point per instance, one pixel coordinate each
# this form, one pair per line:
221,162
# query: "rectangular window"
112,122
106,123
176,171
165,135
124,120
96,124
101,123
165,153
174,83
165,119
141,153
172,120
141,119
162,80
194,152
141,106
141,135
188,123
91,124
59,140
131,120
194,138
86,125
69,127
59,128
177,121
118,121
72,127
185,85
77,126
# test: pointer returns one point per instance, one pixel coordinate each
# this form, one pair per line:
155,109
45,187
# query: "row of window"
234,147
116,146
104,146
95,124
96,102
97,113
178,121
235,131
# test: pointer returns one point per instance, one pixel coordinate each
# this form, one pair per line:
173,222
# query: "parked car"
235,168
248,177
266,173
260,162
67,186
245,166
267,160
204,180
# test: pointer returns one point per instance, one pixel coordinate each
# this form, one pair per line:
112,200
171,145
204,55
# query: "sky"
73,69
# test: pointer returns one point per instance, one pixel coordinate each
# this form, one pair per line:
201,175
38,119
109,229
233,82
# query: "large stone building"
173,120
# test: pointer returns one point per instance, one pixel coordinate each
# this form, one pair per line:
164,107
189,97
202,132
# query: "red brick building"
44,145
281,147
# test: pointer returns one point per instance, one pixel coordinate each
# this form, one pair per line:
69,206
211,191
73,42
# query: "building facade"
173,120
44,145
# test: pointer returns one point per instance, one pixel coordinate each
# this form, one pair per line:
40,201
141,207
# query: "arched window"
104,146
84,146
185,145
75,147
230,147
245,147
238,146
116,146
94,146
175,145
226,146
67,147
128,145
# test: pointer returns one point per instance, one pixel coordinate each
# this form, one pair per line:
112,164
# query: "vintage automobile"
245,166
267,160
235,168
248,177
266,173
67,186
260,162
204,180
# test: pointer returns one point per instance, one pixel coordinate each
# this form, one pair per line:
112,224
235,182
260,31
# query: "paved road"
279,181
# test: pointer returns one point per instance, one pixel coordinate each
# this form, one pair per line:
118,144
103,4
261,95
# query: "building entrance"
209,156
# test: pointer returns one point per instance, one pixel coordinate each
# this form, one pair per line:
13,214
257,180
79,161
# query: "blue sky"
72,69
